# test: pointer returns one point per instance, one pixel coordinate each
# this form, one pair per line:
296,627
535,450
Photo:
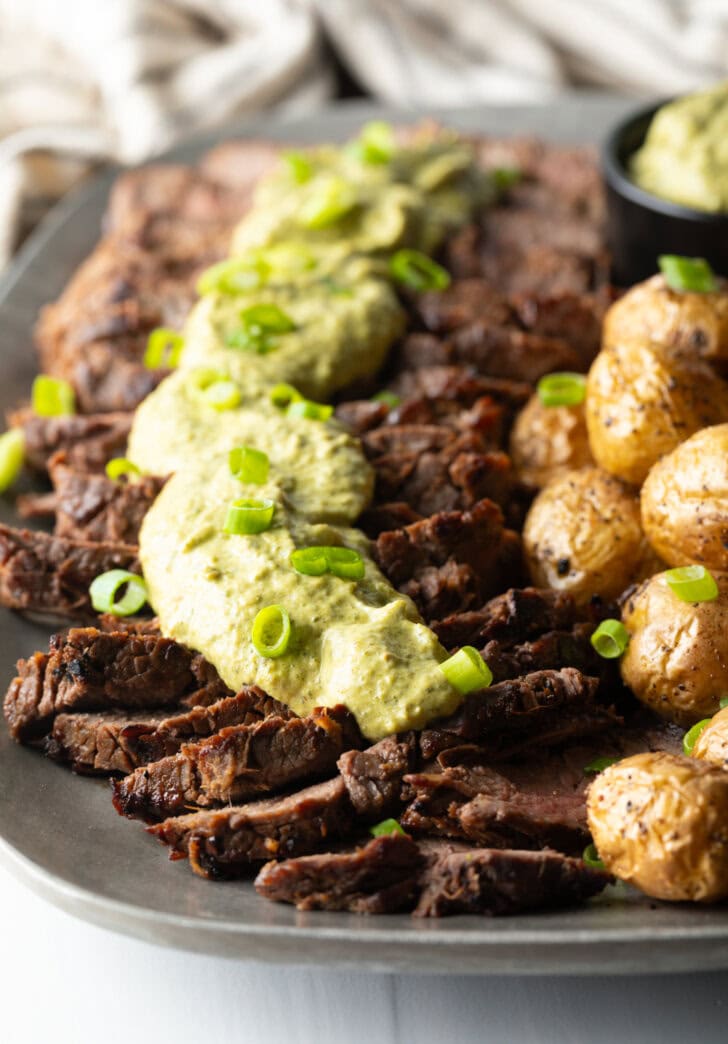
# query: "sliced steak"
49,574
551,651
463,385
228,842
374,776
382,876
515,616
238,763
502,881
89,442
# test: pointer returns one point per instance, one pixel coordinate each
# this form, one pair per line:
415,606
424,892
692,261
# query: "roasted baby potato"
682,325
677,658
712,743
548,441
583,535
660,821
638,408
685,501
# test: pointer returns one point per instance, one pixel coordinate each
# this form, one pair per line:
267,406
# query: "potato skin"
712,743
684,501
583,535
660,821
547,441
638,408
677,658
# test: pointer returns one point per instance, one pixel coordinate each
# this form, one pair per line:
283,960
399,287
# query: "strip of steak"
237,764
464,385
50,574
228,842
374,776
505,881
382,876
89,442
517,615
550,651
118,742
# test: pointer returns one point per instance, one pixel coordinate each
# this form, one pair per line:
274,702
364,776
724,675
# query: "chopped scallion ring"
386,827
330,200
121,466
235,275
376,142
268,317
419,272
344,562
164,348
692,583
52,397
388,398
310,561
590,856
105,587
300,166
467,671
505,177
692,274
282,395
12,455
317,411
600,764
213,388
562,389
249,465
610,639
692,736
271,631
247,516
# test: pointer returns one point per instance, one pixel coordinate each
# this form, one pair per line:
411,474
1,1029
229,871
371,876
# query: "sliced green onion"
388,398
416,270
692,735
376,142
591,857
467,671
600,764
12,455
249,465
300,166
213,388
247,516
104,589
692,583
52,397
610,639
271,631
505,177
317,411
234,275
164,348
310,561
386,827
331,200
562,389
724,702
345,563
282,395
268,317
120,466
687,273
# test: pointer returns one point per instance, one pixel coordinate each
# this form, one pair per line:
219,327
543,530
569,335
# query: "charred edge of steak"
374,776
89,441
516,616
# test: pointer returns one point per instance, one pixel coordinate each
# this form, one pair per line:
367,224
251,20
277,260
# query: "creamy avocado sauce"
355,642
684,158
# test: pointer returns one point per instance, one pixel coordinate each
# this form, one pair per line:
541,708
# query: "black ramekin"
642,226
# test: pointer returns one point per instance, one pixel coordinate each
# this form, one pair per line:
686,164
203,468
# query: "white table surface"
67,982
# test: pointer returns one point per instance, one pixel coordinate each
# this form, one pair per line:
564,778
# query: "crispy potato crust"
548,441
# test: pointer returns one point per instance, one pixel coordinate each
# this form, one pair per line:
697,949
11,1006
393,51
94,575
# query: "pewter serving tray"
59,832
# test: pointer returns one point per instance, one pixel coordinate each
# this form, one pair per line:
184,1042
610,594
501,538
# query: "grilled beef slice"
105,742
382,876
374,776
238,763
227,842
89,442
550,651
515,616
49,574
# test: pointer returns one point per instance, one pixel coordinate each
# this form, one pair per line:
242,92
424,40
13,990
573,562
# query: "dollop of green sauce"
358,642
684,158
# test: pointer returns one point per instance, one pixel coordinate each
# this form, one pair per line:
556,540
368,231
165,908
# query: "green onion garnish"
467,671
692,583
419,272
282,395
300,166
599,764
105,587
610,639
249,465
692,735
260,324
343,562
271,631
248,516
724,702
332,199
121,466
213,388
505,177
164,348
387,826
687,273
12,454
591,857
376,142
317,411
388,398
52,397
562,389
234,275
310,561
